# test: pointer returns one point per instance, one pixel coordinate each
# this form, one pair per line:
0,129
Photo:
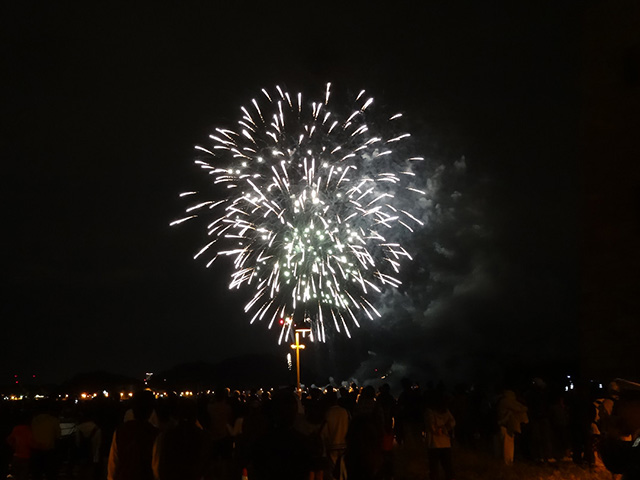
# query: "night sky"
102,106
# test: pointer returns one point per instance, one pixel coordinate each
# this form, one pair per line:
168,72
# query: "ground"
475,465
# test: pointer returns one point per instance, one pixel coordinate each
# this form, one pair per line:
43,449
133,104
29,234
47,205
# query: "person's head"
285,408
384,389
539,383
613,389
331,396
509,394
626,411
406,383
315,393
439,402
186,410
222,394
143,403
368,392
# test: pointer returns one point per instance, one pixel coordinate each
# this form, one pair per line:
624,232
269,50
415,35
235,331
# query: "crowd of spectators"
341,432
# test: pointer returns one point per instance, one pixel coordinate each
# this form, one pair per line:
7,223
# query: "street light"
297,347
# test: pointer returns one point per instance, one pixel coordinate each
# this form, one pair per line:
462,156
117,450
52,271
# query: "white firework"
312,209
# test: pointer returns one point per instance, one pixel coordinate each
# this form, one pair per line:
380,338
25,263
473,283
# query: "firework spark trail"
311,211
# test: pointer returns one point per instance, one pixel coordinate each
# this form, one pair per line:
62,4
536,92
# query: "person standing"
21,442
537,399
282,452
620,447
409,415
88,444
581,422
132,444
183,450
439,425
334,434
220,422
364,456
511,415
46,432
387,404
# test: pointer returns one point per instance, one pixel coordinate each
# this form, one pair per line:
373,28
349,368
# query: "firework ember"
310,206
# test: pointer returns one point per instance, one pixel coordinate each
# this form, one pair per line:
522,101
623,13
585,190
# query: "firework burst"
312,209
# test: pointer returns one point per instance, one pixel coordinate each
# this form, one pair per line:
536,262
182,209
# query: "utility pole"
297,347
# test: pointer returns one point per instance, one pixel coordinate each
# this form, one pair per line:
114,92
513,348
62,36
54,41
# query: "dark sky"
101,108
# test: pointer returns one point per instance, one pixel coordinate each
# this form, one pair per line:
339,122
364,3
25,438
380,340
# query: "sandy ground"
411,464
